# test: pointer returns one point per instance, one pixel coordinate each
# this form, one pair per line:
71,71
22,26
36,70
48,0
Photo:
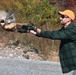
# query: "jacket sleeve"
59,34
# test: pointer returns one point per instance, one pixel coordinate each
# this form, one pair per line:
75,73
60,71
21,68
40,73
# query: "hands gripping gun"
26,28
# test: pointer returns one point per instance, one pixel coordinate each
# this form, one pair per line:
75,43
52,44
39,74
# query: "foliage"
41,13
37,11
68,3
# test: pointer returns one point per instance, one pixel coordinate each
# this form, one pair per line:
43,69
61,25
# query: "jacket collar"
71,25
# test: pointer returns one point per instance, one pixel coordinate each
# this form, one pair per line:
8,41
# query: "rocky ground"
22,52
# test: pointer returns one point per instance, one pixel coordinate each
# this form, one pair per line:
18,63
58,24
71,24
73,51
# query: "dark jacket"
67,51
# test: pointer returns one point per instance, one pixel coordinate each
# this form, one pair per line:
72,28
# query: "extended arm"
59,34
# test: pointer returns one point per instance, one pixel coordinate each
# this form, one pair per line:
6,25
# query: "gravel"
20,52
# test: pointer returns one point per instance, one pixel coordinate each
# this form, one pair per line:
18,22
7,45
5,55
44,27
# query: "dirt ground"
22,52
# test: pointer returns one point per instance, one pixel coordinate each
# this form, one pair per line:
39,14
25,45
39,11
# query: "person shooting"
66,34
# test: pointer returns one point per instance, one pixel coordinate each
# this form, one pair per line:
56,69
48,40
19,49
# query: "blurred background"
43,14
